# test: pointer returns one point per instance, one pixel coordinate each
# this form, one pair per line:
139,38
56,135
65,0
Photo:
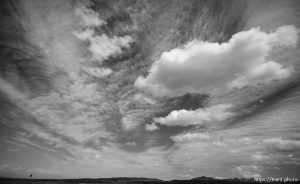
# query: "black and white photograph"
149,91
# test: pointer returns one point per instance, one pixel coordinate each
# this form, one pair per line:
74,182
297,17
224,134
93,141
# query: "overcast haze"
166,89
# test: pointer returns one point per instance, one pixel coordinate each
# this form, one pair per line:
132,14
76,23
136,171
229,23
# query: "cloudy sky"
138,88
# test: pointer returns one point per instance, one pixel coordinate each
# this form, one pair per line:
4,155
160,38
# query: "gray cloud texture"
141,88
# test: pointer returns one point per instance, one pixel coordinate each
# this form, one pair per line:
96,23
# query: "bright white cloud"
89,17
204,67
102,46
199,116
190,137
151,127
6,167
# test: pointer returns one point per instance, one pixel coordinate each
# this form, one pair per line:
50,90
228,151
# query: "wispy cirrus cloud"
77,108
13,149
84,114
255,145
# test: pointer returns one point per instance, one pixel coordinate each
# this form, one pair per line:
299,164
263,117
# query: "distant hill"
203,178
125,180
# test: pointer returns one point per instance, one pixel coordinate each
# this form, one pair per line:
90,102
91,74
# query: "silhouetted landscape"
124,180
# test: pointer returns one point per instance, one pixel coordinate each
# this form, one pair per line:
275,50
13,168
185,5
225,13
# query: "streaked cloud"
11,91
98,72
89,112
89,17
282,145
102,46
151,127
5,167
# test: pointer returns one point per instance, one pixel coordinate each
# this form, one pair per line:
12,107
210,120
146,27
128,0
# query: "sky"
163,89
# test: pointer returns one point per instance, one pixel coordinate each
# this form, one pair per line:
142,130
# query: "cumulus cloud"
259,157
281,144
13,149
102,46
151,127
199,116
190,137
204,67
46,172
89,17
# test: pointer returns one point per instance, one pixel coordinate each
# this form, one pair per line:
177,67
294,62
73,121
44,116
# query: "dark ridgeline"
125,180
